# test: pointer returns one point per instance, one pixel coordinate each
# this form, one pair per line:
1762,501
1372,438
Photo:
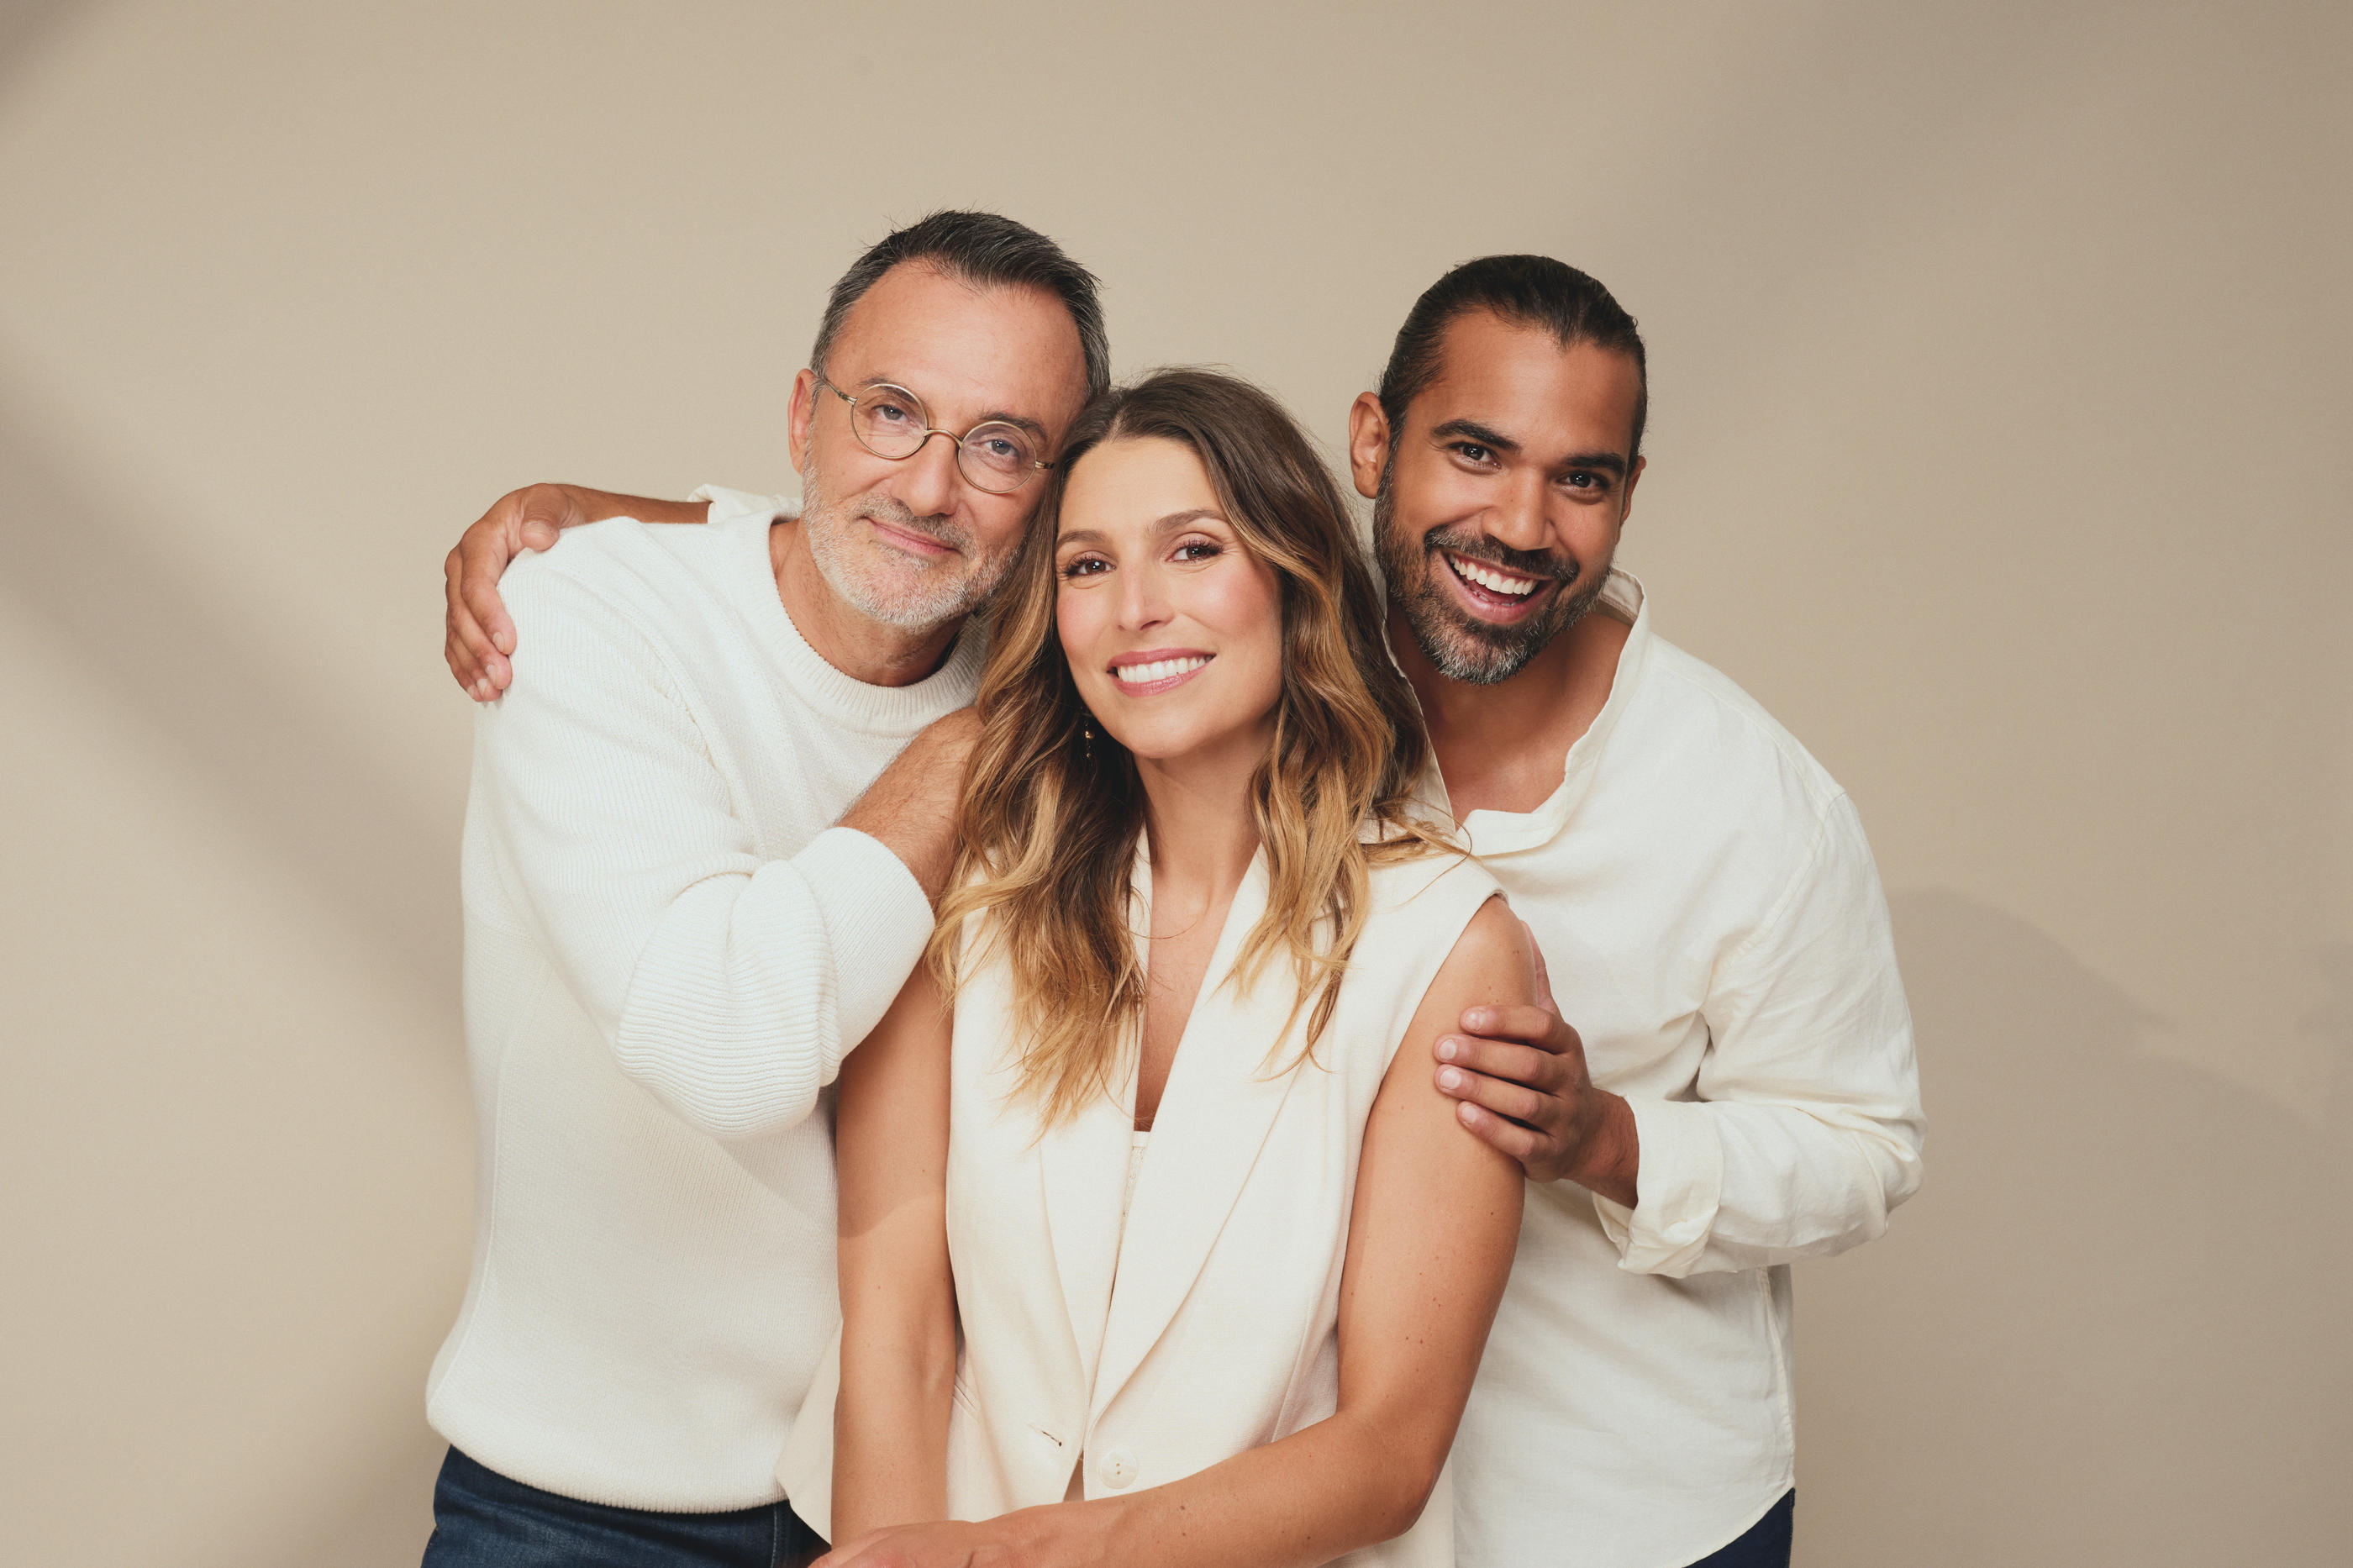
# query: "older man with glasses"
693,876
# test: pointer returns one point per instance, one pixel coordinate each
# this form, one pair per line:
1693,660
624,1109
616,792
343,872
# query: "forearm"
891,1433
1345,1483
598,505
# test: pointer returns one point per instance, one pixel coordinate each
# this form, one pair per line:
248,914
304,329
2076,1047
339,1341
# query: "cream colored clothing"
667,948
1708,909
1211,1326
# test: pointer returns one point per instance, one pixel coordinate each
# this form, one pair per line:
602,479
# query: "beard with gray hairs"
946,590
1461,646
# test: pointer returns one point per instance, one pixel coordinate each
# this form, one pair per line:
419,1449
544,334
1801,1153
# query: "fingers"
483,614
1538,1026
1508,1138
1501,1096
1539,1069
464,646
476,611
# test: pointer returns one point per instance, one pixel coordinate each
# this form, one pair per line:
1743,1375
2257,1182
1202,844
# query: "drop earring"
1087,737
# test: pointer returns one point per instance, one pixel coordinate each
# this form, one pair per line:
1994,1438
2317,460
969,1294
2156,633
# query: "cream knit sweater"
669,947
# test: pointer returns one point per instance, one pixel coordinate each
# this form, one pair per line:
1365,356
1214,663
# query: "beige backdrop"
2000,409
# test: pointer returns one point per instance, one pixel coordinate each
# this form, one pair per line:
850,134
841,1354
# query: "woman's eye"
1199,549
1085,566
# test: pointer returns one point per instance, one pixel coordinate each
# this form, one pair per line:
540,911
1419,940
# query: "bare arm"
477,634
898,1298
1430,1246
1521,1076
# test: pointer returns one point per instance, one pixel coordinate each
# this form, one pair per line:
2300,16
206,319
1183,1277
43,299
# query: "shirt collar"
1504,832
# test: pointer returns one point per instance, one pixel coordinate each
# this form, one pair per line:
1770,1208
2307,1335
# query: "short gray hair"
990,251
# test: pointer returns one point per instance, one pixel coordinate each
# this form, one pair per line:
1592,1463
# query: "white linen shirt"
1714,930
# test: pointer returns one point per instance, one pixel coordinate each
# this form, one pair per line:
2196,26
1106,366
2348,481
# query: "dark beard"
1463,647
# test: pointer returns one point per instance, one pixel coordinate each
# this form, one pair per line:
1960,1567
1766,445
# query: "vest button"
1117,1468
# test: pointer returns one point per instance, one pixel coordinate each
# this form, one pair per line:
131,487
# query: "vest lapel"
1214,1117
1082,1163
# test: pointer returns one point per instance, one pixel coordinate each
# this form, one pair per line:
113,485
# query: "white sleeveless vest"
1222,1332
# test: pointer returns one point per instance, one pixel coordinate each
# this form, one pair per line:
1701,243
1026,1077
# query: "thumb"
547,512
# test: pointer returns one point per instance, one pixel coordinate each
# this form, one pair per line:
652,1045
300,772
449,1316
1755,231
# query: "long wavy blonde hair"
1051,820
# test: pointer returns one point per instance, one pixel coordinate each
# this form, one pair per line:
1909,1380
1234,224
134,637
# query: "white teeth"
1158,669
1493,582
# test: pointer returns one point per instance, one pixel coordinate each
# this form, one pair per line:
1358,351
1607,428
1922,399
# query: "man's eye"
890,413
1473,452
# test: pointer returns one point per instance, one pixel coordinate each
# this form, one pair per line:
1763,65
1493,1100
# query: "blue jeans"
482,1520
1764,1544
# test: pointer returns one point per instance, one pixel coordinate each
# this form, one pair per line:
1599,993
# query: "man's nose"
1519,519
928,480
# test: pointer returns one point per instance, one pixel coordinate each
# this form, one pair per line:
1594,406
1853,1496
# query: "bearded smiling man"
1734,1089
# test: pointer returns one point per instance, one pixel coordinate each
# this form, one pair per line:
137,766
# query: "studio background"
1998,445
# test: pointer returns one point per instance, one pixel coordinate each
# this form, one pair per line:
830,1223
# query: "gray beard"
1476,653
947,591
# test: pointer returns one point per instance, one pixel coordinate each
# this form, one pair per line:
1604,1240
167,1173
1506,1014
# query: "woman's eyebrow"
1169,524
1177,520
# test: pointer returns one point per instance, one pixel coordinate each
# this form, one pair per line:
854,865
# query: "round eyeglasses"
996,456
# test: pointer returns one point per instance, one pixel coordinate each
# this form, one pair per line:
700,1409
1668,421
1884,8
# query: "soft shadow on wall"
291,785
2173,1254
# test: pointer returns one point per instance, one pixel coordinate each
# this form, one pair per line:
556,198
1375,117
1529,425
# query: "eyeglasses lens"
888,422
998,456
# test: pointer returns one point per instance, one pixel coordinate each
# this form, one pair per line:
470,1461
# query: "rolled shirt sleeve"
727,983
1806,1127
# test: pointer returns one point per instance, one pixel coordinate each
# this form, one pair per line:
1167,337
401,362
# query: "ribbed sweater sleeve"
728,984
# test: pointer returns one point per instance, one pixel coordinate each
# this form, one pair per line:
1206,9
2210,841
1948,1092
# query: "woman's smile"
1156,670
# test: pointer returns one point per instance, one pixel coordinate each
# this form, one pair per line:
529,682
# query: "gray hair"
989,251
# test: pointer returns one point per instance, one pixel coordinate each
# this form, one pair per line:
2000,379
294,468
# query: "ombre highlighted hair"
1050,821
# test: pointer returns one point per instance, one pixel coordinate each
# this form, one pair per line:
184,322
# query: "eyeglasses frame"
931,430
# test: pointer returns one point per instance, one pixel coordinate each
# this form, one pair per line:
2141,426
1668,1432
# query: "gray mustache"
898,516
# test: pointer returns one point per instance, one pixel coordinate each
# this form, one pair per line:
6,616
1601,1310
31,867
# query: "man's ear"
1633,476
804,412
1368,443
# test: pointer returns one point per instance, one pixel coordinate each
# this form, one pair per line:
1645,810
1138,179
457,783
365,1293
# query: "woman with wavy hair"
1157,1248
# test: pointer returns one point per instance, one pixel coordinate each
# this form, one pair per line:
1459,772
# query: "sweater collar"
854,703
